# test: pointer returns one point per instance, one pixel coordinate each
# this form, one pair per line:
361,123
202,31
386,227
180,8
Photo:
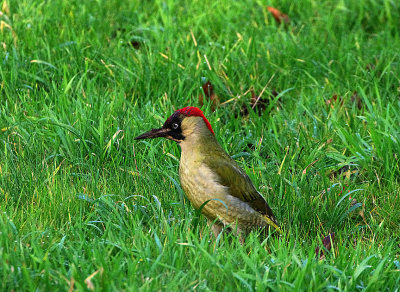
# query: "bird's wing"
240,186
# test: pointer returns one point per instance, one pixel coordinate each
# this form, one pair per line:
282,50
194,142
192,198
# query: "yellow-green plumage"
208,173
211,179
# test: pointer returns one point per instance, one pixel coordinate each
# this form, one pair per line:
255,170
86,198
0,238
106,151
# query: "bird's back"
212,180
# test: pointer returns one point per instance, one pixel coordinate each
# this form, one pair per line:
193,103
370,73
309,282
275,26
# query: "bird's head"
181,125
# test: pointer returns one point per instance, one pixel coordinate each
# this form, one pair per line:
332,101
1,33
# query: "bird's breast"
204,190
201,185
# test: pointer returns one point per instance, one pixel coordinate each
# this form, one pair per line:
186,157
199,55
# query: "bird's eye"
175,126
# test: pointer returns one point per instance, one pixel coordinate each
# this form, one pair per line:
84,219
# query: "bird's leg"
239,231
241,237
216,227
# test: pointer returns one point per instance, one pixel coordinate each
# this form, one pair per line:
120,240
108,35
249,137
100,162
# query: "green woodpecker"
211,179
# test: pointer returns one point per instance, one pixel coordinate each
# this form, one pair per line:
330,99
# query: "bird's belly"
203,190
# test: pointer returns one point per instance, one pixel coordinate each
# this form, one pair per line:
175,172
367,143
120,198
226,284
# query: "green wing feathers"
240,186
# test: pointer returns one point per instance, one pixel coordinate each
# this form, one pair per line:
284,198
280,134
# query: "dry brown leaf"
327,243
310,165
121,32
258,103
370,67
71,284
278,15
337,100
334,100
135,44
208,90
88,280
355,98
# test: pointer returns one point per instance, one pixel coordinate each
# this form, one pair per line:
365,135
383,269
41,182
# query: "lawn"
83,206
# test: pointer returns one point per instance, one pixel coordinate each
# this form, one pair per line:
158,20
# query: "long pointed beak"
161,132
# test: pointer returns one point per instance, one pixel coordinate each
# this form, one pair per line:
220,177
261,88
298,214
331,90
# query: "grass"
84,206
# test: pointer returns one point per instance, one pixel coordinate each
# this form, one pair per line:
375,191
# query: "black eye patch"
174,125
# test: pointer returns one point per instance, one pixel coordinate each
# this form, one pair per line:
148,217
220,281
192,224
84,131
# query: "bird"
212,181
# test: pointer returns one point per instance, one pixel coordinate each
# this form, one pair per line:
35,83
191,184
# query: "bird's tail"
273,224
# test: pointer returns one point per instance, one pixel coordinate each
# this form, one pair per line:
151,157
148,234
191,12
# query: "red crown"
191,111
